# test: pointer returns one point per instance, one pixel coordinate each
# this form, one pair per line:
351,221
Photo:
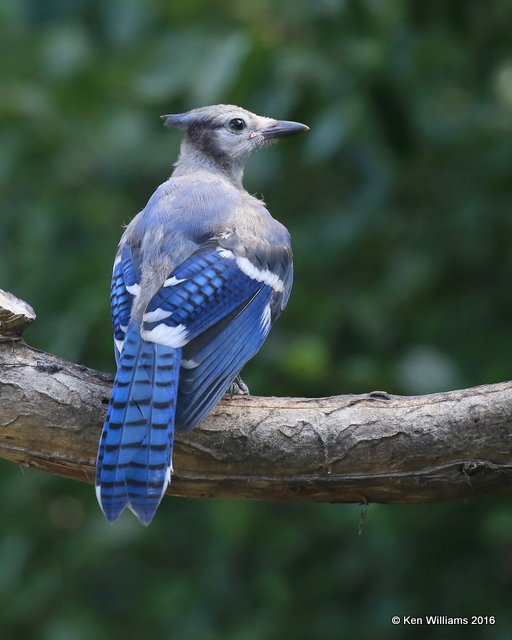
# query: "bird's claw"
238,388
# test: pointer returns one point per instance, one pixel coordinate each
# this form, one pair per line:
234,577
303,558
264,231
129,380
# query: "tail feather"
135,453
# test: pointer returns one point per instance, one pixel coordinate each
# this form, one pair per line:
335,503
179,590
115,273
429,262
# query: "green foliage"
399,204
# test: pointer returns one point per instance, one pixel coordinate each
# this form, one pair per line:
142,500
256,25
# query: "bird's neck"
191,160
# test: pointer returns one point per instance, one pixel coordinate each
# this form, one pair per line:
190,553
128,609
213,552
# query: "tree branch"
362,448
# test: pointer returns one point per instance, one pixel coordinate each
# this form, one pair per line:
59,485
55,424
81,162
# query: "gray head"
223,136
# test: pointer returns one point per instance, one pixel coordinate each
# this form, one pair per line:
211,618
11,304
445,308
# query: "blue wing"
124,287
218,309
211,361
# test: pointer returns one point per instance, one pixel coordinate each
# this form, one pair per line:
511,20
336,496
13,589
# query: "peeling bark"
15,315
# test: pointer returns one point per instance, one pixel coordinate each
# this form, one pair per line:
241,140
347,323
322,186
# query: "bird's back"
187,211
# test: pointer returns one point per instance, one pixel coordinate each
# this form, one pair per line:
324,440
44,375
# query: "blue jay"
200,276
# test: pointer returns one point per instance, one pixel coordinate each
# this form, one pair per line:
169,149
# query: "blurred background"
399,203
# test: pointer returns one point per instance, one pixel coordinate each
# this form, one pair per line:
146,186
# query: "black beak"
283,128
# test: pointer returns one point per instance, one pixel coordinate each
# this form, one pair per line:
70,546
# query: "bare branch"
364,448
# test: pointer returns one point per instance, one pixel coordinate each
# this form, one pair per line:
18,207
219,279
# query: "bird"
200,276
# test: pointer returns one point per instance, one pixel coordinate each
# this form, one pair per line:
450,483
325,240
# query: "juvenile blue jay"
200,276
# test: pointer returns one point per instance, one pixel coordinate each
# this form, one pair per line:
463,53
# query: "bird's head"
227,135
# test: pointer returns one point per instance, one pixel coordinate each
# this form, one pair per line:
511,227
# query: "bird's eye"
237,124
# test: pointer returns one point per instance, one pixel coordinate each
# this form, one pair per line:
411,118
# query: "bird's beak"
176,120
283,128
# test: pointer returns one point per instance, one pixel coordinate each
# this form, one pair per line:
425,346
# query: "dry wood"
363,448
15,315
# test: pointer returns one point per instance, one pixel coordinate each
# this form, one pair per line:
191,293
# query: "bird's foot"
238,388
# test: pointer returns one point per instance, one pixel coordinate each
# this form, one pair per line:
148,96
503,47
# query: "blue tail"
135,454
